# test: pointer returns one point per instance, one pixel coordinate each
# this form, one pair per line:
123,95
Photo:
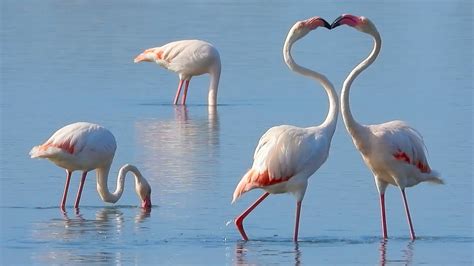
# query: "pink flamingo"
188,58
85,146
286,156
394,151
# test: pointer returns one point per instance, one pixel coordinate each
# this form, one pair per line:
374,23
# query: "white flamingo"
188,58
286,156
85,146
394,151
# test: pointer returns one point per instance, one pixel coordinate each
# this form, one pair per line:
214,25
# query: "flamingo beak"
345,19
326,24
146,203
337,22
140,58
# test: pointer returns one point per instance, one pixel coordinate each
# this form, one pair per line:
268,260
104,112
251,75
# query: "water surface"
68,61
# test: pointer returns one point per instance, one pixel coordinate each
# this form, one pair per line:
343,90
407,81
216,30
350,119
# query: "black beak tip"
336,22
326,25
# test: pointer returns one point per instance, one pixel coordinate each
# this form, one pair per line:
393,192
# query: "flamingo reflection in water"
183,148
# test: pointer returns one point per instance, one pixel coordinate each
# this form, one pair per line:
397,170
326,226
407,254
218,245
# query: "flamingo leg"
382,215
66,188
412,232
240,219
297,221
79,192
178,91
185,94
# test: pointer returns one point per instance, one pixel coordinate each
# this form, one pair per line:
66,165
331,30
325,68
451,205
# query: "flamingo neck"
102,177
331,118
355,129
215,74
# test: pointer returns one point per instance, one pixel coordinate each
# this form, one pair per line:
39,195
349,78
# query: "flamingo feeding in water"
85,146
286,156
394,151
188,58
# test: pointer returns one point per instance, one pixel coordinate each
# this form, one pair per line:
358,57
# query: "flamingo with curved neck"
85,146
286,156
394,151
188,58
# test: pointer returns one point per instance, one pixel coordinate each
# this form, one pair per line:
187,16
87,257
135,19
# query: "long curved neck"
331,118
354,128
215,75
102,187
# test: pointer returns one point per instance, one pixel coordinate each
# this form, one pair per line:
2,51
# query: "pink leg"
185,92
178,92
239,220
297,222
412,232
66,188
382,213
79,192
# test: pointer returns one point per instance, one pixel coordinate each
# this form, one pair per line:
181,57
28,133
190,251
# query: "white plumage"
188,58
394,151
286,156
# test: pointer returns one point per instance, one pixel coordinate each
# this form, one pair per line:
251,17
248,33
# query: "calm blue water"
68,61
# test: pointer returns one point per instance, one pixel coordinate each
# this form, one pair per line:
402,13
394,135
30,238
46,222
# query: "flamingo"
85,146
286,156
188,58
394,151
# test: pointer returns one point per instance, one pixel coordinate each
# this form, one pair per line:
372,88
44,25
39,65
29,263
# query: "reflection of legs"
412,232
79,192
297,222
382,215
66,187
239,220
183,101
383,252
178,91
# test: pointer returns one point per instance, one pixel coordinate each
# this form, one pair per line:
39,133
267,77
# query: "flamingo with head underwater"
188,58
85,147
394,151
286,156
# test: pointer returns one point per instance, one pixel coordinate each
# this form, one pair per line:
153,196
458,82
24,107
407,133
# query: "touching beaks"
326,24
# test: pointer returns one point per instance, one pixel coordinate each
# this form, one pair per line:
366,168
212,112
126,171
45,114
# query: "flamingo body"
187,58
396,154
85,146
79,146
286,156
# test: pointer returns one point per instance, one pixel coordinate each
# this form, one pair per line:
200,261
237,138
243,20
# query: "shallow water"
63,62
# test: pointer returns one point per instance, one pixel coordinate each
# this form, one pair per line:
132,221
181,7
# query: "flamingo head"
301,28
147,56
360,23
143,190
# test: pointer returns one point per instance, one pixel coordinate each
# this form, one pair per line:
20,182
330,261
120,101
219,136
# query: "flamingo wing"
281,153
190,57
405,144
73,139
